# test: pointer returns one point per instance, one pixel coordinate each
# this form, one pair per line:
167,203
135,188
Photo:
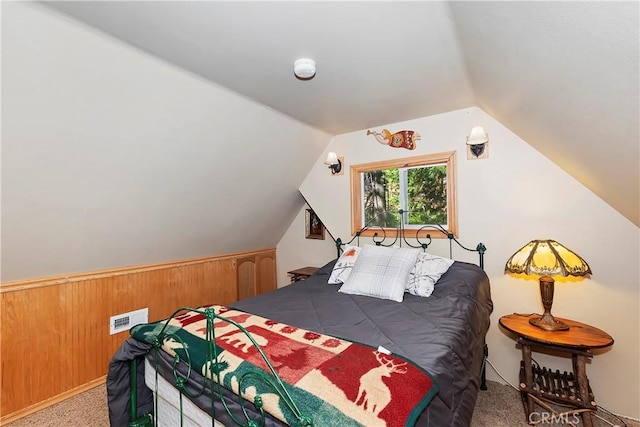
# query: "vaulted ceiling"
564,76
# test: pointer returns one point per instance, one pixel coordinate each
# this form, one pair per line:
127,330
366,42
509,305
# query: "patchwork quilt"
332,381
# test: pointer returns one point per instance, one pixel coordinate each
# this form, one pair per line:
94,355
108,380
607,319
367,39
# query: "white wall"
296,251
112,157
512,197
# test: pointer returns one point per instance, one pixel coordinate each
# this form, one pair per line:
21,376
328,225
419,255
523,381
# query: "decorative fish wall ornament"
402,139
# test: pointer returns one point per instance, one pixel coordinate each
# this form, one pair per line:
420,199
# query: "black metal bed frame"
380,239
401,236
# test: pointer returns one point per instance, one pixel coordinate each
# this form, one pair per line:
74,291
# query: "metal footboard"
211,377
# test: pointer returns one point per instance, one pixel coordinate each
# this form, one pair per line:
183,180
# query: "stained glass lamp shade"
547,258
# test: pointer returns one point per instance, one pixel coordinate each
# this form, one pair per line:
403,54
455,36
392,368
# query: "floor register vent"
126,321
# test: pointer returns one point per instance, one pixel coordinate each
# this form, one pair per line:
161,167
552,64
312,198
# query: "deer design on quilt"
241,341
373,392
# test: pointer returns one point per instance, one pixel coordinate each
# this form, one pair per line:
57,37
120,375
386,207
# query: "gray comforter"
443,333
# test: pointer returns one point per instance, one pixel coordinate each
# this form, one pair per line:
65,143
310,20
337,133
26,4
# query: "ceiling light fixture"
304,68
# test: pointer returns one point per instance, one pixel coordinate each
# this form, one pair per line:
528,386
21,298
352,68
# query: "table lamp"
547,258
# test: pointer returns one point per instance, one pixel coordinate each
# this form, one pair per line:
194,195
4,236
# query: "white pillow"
381,272
426,273
343,266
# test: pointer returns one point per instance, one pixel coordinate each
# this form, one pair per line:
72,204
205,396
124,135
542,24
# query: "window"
424,187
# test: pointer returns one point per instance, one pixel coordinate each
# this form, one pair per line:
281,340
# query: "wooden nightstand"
301,273
539,385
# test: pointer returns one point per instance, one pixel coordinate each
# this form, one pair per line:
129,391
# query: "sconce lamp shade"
332,159
547,258
477,136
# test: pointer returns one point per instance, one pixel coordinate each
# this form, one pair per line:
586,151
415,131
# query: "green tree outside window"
423,187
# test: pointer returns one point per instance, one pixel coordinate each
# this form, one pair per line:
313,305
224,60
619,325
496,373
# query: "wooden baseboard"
52,401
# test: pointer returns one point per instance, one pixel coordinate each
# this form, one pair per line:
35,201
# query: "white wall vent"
126,321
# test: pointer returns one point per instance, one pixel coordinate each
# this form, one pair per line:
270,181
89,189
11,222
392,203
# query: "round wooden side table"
539,385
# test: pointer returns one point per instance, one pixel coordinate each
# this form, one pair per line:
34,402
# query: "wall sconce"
477,144
335,163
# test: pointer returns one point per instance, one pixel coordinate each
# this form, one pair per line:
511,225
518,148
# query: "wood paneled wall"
55,337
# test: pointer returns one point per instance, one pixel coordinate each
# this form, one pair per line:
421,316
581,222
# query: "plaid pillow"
426,273
381,272
344,265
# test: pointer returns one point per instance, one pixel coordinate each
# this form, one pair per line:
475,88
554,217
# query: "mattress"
169,403
444,333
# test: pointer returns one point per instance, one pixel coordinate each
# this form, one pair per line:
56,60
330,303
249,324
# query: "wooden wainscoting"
55,338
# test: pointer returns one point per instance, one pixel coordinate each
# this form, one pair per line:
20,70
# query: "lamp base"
548,323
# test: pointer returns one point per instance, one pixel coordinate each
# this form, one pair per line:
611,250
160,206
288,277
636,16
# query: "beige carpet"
500,406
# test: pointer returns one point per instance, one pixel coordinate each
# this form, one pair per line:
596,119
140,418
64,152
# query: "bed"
441,338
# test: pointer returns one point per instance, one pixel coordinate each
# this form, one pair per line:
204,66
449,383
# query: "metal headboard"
421,243
400,238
